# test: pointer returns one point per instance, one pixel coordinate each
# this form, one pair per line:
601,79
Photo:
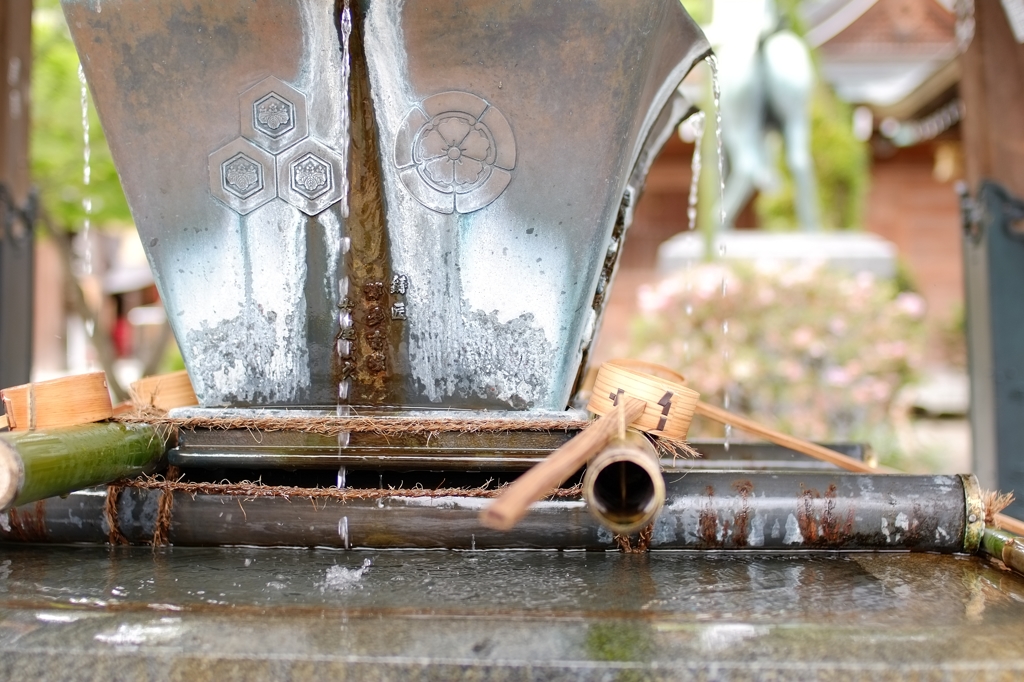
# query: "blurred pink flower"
911,304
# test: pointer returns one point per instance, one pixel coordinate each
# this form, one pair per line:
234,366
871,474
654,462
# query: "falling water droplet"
343,531
341,473
728,427
86,174
697,124
472,542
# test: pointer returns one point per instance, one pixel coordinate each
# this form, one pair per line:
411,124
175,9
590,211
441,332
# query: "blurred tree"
57,149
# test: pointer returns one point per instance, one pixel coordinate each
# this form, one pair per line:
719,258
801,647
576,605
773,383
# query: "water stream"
697,123
346,116
86,176
344,342
716,90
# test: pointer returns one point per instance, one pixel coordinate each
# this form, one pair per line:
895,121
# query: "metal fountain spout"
450,248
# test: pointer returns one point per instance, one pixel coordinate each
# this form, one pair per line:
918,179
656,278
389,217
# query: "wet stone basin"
238,613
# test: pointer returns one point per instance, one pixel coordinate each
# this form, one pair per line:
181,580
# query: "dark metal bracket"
993,250
17,272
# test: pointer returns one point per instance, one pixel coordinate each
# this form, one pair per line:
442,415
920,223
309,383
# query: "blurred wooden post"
16,242
992,89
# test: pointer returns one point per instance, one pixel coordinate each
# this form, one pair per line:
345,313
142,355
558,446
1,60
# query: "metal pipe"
623,486
703,510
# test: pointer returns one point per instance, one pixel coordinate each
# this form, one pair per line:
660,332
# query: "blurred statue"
766,80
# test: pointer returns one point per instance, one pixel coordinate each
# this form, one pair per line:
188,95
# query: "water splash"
341,578
86,173
716,90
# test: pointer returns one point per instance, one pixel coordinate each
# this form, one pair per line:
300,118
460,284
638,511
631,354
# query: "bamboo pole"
39,464
508,509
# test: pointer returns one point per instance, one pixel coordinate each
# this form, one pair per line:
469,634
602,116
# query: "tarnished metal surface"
492,146
703,510
505,451
242,614
975,510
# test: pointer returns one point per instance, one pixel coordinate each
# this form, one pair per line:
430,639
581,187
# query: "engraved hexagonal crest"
311,176
242,176
273,114
455,152
308,176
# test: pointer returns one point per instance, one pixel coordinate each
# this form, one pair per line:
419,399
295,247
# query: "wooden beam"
15,66
992,88
16,244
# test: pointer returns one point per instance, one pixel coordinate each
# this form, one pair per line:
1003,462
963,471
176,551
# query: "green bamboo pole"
35,465
1006,547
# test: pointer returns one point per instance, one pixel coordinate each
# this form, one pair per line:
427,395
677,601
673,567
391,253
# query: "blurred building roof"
896,56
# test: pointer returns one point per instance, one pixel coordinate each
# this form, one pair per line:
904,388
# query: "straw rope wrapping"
332,426
251,490
384,426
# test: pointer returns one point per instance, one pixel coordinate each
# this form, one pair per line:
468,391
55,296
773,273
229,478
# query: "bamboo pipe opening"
11,475
623,486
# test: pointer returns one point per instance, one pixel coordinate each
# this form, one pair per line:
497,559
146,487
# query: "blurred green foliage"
57,140
699,10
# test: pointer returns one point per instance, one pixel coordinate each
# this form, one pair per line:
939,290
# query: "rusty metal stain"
28,526
805,515
367,263
834,531
741,519
708,522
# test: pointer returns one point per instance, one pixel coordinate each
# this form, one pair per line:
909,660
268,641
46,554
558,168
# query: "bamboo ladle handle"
507,510
792,442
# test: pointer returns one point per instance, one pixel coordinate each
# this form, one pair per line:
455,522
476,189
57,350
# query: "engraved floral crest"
310,176
273,115
455,152
241,175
